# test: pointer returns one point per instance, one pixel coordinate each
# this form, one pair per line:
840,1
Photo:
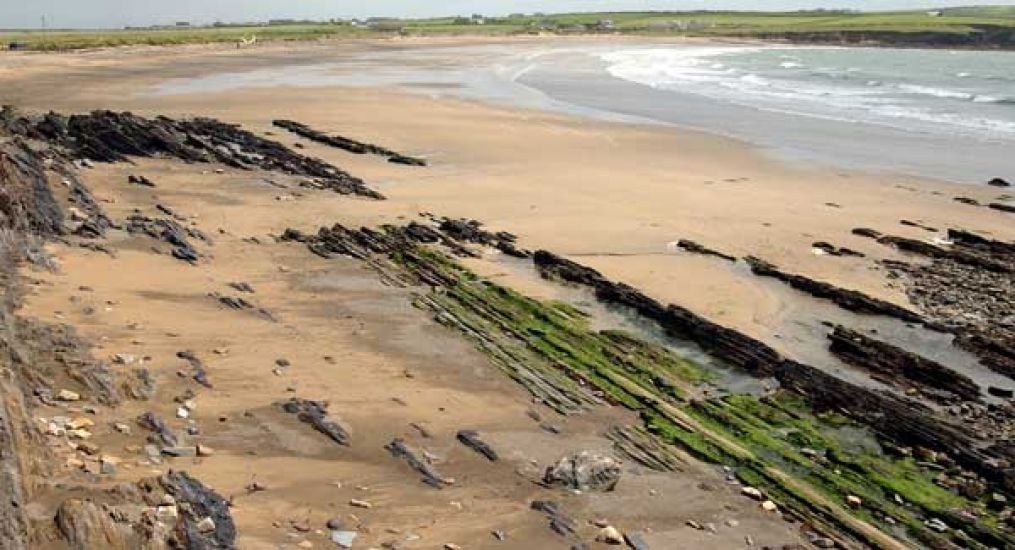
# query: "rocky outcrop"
315,413
696,248
998,182
900,367
26,201
106,136
171,511
346,144
584,471
897,419
851,300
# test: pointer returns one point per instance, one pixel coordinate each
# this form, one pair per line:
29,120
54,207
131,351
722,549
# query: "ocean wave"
935,92
790,65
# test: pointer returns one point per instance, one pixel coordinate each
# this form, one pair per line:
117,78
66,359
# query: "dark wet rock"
1006,393
242,287
584,471
918,225
161,433
169,231
833,250
900,367
200,372
696,248
140,180
315,413
472,231
471,439
970,291
851,300
346,144
998,182
242,304
106,136
398,449
894,418
865,232
26,202
1002,207
559,523
961,255
967,200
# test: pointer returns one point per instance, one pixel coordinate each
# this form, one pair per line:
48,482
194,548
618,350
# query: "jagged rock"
399,449
900,366
696,248
998,182
315,413
140,180
584,471
347,144
106,136
471,439
610,535
851,300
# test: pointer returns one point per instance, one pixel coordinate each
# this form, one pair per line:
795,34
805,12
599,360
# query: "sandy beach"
614,196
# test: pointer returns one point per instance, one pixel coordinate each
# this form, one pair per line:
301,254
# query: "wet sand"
612,195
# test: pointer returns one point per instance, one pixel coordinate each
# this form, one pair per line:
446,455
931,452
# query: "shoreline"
340,318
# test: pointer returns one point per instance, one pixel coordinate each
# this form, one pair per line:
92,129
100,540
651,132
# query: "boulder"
584,471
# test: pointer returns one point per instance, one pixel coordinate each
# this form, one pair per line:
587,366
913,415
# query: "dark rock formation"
471,231
961,255
833,250
169,231
347,144
1002,207
471,439
696,248
399,449
26,202
967,200
896,419
195,517
315,413
851,300
866,232
900,367
106,136
584,471
998,182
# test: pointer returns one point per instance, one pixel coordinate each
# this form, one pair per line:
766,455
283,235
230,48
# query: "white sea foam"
847,92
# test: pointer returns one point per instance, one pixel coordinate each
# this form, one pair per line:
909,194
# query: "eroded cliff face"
47,370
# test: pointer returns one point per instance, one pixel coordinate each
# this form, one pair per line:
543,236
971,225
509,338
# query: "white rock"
610,535
67,395
753,493
206,525
769,506
343,539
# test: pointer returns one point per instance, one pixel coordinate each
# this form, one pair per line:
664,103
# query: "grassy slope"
958,21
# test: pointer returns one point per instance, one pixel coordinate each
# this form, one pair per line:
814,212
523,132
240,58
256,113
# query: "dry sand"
612,195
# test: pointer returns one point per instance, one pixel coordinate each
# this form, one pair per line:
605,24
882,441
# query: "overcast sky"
118,13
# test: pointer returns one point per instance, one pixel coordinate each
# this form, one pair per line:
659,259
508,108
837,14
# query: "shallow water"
933,113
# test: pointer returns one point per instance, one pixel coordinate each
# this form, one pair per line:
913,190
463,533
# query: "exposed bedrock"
106,136
346,144
900,367
851,300
697,248
898,419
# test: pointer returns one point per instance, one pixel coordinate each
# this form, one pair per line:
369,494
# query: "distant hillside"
981,11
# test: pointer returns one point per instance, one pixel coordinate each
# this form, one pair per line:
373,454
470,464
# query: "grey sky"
117,13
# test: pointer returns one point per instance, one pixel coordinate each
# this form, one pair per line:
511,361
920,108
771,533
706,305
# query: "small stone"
853,501
54,429
80,422
360,504
752,492
124,359
343,539
204,450
67,395
90,449
693,524
769,506
732,523
937,525
182,412
451,546
167,513
79,434
180,452
168,500
305,544
206,525
335,524
610,535
499,535
75,463
823,542
122,428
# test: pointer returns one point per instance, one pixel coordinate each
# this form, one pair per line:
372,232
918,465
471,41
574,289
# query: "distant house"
935,13
478,19
17,46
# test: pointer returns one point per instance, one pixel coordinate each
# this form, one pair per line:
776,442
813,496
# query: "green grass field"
990,26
